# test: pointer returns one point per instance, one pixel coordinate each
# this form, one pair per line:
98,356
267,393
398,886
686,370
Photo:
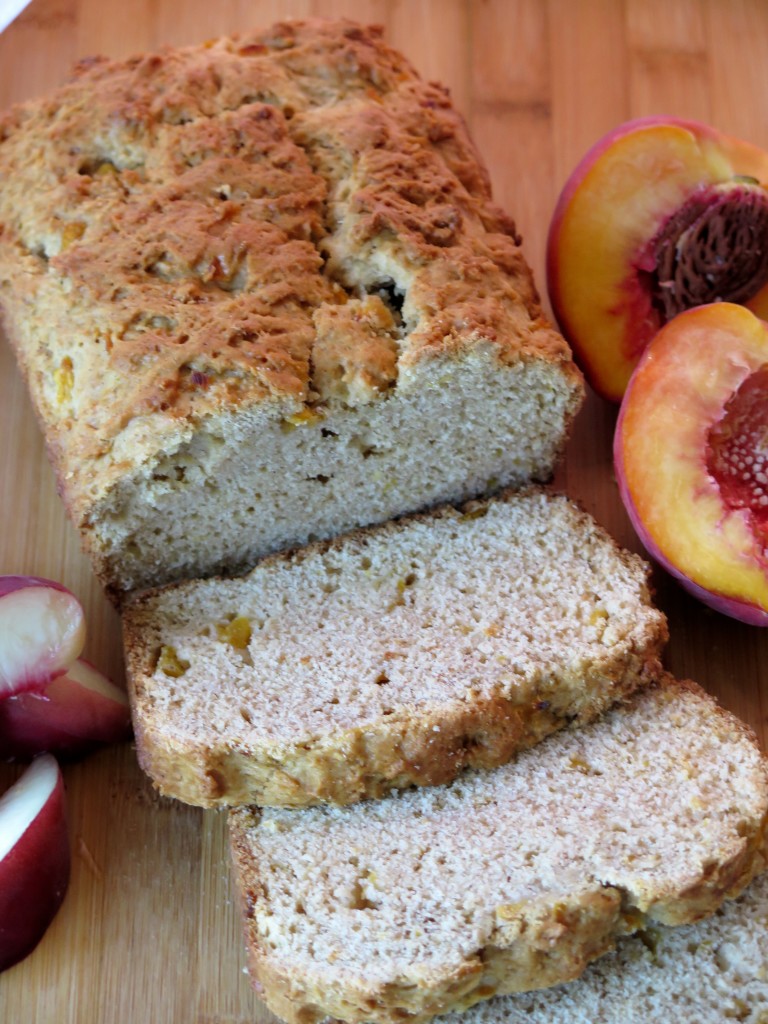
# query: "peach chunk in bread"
691,453
660,216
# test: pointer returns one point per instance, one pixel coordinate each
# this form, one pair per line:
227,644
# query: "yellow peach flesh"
678,393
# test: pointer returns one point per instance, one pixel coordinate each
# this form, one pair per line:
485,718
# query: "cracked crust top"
290,216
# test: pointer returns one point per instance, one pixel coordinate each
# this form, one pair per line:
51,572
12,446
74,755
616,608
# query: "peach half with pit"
660,216
691,456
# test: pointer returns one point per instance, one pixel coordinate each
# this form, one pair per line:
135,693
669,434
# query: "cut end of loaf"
393,656
507,880
249,484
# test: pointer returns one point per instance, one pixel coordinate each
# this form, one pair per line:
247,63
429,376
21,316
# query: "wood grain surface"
149,931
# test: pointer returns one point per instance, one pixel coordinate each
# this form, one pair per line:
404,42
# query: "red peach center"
737,453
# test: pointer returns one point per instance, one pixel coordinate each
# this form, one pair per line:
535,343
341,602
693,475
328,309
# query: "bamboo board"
150,930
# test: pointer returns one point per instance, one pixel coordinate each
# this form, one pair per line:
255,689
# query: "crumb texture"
282,244
505,880
399,653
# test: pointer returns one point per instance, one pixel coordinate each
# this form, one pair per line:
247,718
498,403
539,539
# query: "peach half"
691,455
660,216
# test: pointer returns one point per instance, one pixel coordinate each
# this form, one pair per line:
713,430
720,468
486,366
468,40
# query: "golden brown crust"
170,242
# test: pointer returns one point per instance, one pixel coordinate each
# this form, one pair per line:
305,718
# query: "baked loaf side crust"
504,881
394,656
249,282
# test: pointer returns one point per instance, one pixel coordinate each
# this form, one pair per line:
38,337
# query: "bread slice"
392,656
706,973
431,900
260,294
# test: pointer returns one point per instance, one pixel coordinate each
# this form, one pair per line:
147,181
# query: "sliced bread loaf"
261,294
710,972
392,656
431,900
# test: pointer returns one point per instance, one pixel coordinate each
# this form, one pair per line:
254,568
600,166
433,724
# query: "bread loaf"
392,656
260,295
433,899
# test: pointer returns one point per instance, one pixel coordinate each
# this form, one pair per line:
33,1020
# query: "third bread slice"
392,656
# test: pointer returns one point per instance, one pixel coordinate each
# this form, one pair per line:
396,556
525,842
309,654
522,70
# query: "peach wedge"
34,858
76,713
42,631
660,216
691,453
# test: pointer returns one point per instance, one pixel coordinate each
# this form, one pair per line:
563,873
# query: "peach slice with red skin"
691,455
34,858
661,215
75,713
42,631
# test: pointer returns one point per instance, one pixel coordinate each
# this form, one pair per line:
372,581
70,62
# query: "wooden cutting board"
150,930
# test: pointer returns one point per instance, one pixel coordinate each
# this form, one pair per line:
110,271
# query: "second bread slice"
390,657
